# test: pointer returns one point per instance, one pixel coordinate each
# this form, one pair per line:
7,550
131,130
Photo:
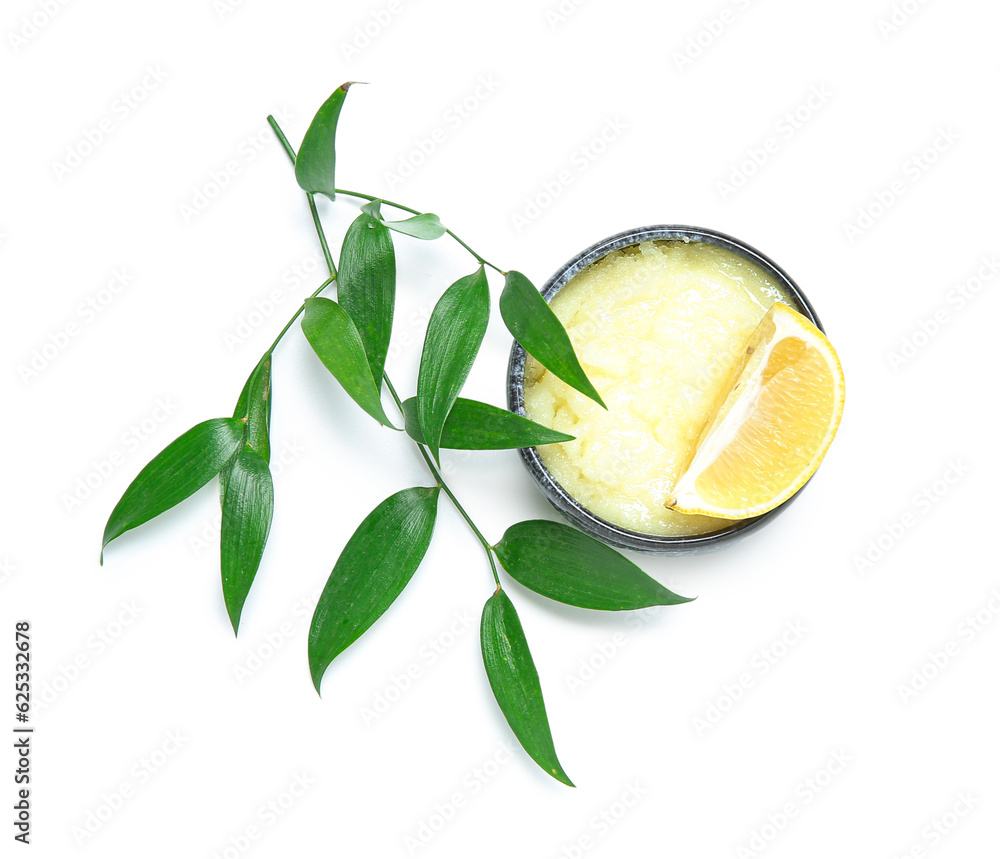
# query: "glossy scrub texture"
657,327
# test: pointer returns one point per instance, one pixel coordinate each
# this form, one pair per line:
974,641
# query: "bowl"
565,503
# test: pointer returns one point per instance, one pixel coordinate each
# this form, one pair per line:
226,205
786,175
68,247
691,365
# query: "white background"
159,734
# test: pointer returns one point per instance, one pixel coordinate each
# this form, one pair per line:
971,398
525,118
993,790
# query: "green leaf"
254,409
540,332
335,339
515,683
366,286
472,425
424,226
315,163
566,565
374,208
377,562
247,508
179,470
454,334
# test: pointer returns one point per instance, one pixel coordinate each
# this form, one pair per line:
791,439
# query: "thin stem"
441,482
281,137
322,236
481,260
312,205
312,201
439,479
298,313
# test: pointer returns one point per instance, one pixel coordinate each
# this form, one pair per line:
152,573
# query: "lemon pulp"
771,430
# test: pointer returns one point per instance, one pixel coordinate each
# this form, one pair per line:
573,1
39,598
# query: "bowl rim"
556,495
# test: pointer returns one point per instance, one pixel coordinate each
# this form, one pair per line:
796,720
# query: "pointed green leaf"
179,470
424,226
472,425
253,409
247,508
514,681
366,286
335,339
566,565
372,570
454,334
314,166
540,332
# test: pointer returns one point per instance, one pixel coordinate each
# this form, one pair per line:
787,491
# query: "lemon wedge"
773,424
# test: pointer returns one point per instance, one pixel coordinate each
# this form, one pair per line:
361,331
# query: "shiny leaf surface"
336,341
178,471
366,287
472,425
566,565
540,332
372,570
247,509
454,334
515,684
316,162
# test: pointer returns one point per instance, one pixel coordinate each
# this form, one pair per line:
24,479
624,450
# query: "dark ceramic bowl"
556,495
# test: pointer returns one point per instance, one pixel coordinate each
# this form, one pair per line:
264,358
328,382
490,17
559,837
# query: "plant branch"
481,260
281,137
312,205
322,237
439,479
312,198
441,482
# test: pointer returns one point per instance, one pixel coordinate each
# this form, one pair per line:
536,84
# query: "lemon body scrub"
657,327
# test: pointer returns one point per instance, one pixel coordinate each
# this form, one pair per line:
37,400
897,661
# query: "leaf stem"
281,137
312,205
392,391
441,482
479,259
312,198
322,237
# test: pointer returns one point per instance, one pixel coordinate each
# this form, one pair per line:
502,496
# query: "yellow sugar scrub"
658,327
